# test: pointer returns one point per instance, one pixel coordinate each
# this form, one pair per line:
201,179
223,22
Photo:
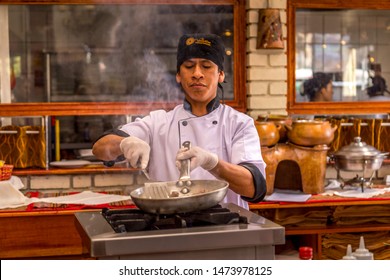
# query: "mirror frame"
354,107
120,108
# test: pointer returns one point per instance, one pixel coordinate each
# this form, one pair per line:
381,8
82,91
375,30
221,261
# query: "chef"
224,142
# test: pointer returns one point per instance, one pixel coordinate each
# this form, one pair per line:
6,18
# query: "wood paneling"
38,235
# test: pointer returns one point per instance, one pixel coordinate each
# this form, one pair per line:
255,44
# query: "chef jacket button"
215,122
184,123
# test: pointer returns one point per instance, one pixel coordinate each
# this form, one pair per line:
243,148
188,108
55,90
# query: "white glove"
136,151
198,157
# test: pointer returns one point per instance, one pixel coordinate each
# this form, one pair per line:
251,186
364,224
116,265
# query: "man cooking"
224,142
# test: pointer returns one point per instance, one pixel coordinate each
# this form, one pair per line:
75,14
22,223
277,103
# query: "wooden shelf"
335,202
312,234
336,229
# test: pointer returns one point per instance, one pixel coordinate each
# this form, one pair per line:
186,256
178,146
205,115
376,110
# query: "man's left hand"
198,157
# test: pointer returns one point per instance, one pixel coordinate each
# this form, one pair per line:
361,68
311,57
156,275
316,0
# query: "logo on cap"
200,41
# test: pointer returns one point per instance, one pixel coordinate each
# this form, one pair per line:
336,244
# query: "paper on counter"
334,188
12,197
287,196
85,198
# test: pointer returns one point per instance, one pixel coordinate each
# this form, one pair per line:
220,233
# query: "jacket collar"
211,106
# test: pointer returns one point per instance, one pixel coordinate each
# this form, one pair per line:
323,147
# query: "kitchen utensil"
185,170
279,121
168,198
268,133
311,132
358,156
70,163
184,195
146,173
159,189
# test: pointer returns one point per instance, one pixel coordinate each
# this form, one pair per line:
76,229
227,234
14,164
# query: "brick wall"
124,182
266,68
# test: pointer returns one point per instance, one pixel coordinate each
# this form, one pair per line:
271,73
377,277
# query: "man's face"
199,79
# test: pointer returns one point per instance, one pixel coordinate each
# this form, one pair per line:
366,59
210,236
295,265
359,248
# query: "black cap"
208,46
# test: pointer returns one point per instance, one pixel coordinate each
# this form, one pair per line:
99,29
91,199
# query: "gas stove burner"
243,235
129,220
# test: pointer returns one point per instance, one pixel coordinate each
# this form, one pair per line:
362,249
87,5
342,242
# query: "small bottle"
348,255
362,253
305,253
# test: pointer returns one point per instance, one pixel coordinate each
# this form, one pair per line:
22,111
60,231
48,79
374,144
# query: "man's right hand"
136,151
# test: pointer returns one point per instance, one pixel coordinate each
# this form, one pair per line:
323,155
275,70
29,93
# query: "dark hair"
378,87
315,84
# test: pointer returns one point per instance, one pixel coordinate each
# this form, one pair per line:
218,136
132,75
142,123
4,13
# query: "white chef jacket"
226,132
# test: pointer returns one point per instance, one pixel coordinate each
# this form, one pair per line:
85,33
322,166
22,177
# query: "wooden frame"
359,107
118,108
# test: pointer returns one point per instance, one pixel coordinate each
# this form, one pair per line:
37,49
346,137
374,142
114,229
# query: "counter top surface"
313,201
49,231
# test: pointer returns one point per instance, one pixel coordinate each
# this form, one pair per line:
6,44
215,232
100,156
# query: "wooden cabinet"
46,234
52,234
330,226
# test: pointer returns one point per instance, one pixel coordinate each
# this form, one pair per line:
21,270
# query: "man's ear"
178,78
221,77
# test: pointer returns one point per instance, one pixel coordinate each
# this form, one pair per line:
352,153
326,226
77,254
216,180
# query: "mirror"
349,41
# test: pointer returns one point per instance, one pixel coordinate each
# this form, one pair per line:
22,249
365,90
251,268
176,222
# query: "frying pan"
169,198
182,196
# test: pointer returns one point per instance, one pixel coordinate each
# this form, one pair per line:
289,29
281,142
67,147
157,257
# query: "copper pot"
311,132
268,133
279,120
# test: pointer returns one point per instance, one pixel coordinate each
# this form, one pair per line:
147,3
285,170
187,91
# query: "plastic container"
362,253
348,255
6,172
305,253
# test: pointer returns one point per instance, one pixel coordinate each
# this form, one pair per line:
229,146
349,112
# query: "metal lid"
358,149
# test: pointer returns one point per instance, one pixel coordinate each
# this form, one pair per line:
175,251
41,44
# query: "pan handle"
111,163
185,165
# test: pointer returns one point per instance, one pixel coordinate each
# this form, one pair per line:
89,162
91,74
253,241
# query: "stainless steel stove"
225,231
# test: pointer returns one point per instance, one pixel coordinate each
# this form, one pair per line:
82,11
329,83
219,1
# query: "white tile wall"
266,103
257,59
82,181
103,180
278,60
257,4
266,69
270,74
277,4
257,88
50,182
278,88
